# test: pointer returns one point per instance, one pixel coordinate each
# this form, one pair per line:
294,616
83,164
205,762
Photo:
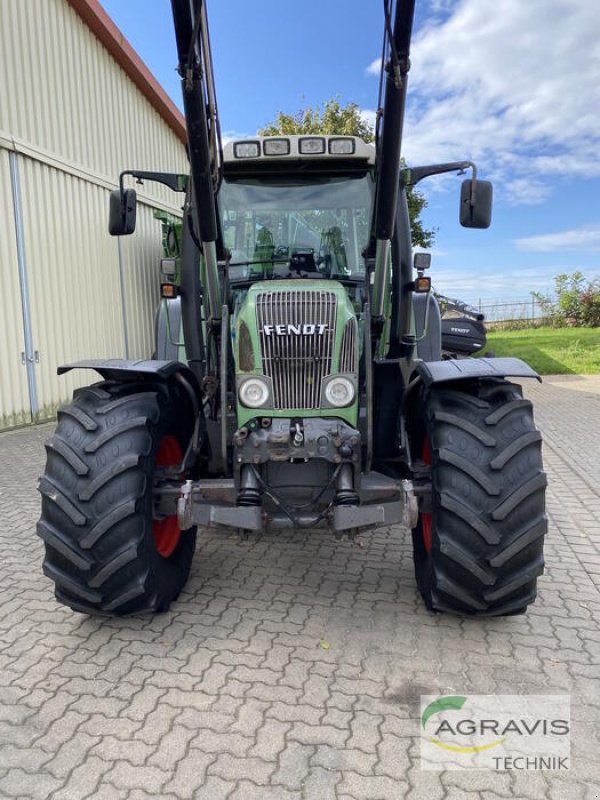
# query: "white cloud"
440,6
512,85
584,239
491,284
369,115
374,68
528,190
433,251
230,136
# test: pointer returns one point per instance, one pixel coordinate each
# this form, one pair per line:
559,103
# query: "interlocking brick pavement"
231,695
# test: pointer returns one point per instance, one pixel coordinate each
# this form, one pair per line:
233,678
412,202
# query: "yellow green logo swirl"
454,703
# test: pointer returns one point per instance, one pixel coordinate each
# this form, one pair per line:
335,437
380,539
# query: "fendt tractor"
298,379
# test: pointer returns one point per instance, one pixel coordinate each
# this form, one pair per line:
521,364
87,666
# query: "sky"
511,85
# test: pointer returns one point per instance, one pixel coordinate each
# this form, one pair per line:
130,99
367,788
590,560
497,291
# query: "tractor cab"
296,207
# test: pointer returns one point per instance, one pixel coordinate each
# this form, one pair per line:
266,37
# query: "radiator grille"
296,362
349,352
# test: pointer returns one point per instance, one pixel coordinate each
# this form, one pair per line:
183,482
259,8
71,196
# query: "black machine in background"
463,330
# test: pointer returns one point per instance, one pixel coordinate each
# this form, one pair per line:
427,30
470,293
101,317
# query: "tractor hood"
297,335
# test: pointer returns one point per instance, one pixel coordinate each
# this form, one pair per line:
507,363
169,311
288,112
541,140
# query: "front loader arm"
395,67
204,137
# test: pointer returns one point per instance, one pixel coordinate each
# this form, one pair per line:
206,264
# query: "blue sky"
512,85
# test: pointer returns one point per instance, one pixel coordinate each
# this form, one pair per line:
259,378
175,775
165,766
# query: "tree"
346,120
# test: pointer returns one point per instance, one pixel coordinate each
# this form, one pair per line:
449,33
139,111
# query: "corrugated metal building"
77,106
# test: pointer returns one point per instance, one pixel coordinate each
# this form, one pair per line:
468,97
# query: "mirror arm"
178,183
412,176
122,196
473,184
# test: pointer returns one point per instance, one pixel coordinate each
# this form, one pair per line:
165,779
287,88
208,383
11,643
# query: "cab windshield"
313,226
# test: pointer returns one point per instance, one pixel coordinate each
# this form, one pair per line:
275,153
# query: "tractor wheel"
478,549
106,551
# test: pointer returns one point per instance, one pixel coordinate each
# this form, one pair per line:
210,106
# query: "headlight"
254,392
276,147
312,145
339,392
246,149
342,147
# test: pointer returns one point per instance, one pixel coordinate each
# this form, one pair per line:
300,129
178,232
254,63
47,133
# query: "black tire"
487,522
97,509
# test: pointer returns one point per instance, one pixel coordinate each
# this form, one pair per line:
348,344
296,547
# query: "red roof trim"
102,26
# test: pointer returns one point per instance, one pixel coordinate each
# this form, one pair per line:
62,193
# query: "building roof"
105,30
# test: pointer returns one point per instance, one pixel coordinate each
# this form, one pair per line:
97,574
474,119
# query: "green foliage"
345,120
331,119
421,237
577,302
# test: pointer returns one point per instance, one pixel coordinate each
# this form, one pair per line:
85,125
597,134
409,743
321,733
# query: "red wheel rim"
166,531
426,519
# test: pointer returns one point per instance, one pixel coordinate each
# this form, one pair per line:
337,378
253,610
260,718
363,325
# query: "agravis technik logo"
495,732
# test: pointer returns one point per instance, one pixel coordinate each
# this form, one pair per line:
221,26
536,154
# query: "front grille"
297,357
349,352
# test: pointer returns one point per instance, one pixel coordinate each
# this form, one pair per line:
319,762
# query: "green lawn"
551,351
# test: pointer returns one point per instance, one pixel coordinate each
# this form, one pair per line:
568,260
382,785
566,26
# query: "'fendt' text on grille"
295,330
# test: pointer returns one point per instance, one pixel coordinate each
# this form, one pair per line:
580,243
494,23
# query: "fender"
120,369
458,369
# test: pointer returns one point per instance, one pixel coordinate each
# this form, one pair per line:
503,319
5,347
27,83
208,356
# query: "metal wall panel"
72,268
75,120
75,290
14,398
141,254
61,91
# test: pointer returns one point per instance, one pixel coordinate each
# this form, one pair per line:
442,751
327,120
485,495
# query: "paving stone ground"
230,694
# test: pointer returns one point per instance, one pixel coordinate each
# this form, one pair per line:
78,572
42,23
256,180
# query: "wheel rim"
426,519
166,532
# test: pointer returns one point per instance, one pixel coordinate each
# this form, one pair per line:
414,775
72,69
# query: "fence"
524,309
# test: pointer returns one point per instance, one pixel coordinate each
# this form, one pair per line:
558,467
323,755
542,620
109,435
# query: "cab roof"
257,149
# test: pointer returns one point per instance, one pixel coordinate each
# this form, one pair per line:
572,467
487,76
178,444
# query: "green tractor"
298,379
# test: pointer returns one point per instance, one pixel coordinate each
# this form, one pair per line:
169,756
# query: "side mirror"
121,216
476,212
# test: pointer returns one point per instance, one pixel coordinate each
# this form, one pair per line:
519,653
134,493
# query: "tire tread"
489,519
96,520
